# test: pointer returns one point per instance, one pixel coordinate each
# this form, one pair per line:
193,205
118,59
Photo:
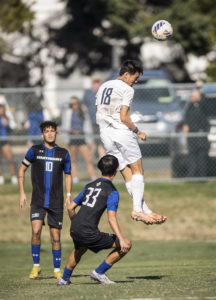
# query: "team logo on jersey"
36,215
60,223
99,183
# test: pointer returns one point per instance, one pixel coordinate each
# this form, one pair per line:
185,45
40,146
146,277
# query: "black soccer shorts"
95,243
54,216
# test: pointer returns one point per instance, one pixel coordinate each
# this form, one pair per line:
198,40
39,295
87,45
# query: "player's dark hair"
46,124
131,66
108,165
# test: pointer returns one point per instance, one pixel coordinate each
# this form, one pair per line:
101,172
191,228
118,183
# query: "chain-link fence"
181,134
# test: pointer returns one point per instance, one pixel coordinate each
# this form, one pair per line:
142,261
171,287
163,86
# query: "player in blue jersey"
48,163
96,196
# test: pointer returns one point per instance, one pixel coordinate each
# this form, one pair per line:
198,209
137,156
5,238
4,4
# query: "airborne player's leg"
135,187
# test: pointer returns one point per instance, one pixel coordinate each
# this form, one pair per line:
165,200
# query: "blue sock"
103,268
56,258
35,254
67,274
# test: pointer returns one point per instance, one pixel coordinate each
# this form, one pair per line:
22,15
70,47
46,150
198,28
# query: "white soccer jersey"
110,97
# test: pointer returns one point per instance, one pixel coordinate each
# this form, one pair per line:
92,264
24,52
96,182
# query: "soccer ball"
161,30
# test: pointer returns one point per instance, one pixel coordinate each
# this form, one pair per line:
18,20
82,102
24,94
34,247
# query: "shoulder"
109,185
62,150
38,147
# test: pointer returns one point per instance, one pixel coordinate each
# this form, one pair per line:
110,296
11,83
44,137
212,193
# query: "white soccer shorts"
121,143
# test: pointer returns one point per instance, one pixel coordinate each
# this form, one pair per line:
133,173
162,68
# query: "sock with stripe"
56,259
35,254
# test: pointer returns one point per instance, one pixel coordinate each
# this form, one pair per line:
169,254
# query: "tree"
94,24
15,16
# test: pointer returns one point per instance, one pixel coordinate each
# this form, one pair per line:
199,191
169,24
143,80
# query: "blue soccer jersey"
47,168
97,196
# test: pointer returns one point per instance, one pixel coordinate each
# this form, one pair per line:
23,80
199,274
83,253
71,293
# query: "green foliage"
15,16
193,21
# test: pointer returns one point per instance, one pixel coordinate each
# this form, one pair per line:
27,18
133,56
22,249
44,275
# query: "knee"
55,241
129,244
36,233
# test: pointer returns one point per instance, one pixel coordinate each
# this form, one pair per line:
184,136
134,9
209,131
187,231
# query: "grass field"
175,260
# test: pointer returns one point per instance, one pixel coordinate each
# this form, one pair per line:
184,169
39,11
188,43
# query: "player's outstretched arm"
21,180
124,242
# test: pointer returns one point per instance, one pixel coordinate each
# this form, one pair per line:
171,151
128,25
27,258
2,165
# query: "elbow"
123,119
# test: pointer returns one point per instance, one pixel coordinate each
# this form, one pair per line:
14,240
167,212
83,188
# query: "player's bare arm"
71,209
21,180
125,118
124,242
68,183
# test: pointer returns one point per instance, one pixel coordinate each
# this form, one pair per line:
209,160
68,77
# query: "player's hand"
67,201
142,135
125,245
22,200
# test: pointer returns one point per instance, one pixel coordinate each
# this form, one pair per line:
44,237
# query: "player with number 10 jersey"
47,167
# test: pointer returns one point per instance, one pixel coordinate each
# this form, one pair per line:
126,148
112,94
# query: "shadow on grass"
44,277
98,283
147,277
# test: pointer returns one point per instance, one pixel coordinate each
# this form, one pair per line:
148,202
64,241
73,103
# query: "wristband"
136,130
68,194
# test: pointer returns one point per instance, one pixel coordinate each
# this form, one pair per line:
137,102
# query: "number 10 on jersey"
105,99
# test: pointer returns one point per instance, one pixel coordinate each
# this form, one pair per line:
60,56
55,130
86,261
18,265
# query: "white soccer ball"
162,30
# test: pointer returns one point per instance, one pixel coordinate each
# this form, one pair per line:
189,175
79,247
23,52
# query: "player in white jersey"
119,136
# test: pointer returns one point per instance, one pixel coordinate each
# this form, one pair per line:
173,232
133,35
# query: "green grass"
174,260
150,270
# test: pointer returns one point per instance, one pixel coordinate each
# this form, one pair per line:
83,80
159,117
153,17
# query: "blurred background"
54,55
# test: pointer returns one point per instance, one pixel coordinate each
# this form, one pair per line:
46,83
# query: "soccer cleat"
62,282
35,272
57,274
158,218
141,216
102,278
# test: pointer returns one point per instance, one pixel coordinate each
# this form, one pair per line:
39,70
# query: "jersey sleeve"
113,201
29,157
67,164
78,200
127,96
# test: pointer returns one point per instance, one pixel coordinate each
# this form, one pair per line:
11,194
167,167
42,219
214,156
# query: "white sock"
56,269
128,187
145,208
144,205
36,265
137,188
